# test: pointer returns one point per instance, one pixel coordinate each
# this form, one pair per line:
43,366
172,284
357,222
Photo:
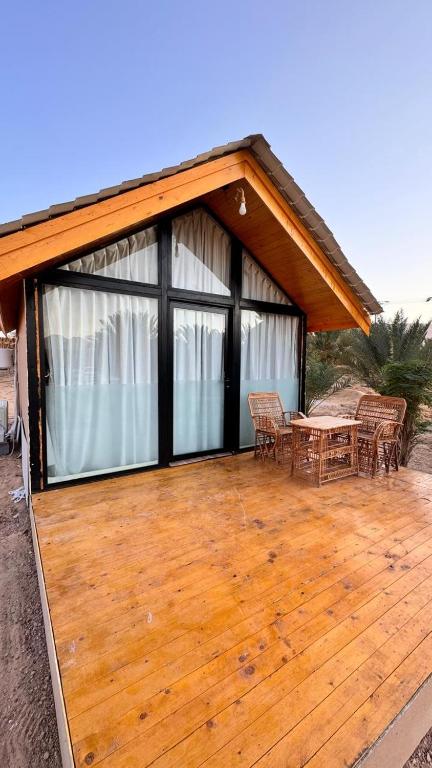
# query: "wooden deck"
222,614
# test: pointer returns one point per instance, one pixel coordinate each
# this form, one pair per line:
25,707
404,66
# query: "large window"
258,285
149,340
269,363
101,375
201,254
132,258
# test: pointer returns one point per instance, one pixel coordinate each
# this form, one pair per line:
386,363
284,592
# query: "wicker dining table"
325,448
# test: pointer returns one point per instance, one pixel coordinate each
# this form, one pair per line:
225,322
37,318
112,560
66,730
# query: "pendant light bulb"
240,195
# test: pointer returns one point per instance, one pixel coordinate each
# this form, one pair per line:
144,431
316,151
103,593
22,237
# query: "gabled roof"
260,149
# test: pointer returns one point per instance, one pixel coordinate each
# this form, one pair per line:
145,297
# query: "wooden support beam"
38,246
42,245
279,207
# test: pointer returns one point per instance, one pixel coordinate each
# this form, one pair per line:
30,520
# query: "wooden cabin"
146,312
217,613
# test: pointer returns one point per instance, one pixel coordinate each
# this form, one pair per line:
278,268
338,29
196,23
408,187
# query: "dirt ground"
422,757
7,391
28,730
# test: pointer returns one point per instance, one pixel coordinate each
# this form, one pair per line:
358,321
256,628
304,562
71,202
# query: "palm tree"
396,359
322,380
392,341
324,374
413,381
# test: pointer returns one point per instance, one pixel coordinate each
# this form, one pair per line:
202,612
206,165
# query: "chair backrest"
373,409
266,404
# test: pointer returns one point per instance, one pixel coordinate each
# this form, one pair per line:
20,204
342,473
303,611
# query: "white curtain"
201,254
132,258
101,392
198,380
269,363
258,285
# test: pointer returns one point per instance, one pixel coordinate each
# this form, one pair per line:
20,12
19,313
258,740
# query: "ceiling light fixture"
240,195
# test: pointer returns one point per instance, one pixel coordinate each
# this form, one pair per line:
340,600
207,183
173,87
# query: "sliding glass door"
199,381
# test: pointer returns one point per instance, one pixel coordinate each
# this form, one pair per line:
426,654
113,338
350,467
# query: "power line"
406,301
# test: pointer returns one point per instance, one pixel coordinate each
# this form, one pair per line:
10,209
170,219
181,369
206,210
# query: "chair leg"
386,454
394,457
374,462
391,457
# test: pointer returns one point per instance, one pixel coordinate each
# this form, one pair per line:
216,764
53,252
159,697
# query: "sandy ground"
7,391
28,732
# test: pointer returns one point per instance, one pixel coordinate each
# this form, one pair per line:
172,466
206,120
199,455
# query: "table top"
324,422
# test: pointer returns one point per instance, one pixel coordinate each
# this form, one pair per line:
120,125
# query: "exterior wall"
22,370
22,385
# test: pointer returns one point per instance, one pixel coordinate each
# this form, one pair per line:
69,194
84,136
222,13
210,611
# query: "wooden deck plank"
369,721
200,613
135,648
264,693
150,668
306,739
293,545
210,676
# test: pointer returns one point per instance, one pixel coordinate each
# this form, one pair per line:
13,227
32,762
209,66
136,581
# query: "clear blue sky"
94,92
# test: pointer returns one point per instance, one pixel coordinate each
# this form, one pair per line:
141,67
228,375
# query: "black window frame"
167,296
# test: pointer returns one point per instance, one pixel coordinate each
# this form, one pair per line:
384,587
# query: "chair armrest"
346,416
380,429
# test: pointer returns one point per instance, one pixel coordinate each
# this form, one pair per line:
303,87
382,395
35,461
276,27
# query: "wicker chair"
273,435
379,433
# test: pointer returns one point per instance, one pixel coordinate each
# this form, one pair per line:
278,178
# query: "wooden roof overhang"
271,230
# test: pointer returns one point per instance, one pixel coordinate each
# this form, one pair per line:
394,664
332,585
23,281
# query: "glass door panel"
101,393
199,379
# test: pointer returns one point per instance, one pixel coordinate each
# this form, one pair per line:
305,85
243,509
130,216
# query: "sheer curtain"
132,258
258,285
101,392
201,254
269,363
198,380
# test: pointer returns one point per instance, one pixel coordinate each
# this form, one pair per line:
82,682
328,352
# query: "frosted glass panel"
201,254
102,382
199,340
132,258
258,285
269,355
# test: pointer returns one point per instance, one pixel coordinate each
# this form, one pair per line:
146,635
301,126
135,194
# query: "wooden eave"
271,231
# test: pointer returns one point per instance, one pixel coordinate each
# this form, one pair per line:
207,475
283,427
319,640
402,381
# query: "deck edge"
62,723
402,736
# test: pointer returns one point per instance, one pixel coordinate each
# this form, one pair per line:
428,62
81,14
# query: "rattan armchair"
273,435
379,434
